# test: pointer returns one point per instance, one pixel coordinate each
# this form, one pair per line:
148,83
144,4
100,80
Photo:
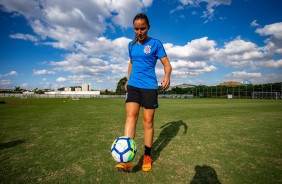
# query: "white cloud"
254,23
86,67
61,79
126,10
238,46
26,8
274,43
192,59
188,2
10,74
269,78
79,28
180,7
76,63
5,83
24,37
239,53
184,68
76,79
243,74
7,79
84,17
103,46
272,64
274,30
200,49
254,77
43,72
147,3
23,85
68,22
210,6
196,57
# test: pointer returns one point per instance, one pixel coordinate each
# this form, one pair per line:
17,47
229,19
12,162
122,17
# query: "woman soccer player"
142,85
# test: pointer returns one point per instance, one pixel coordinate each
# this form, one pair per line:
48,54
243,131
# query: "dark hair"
141,16
137,17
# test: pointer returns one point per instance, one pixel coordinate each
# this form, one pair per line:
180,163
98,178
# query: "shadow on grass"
205,175
11,144
170,130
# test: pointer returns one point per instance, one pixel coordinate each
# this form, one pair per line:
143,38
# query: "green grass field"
196,141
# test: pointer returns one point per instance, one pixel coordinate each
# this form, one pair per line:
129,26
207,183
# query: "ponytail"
133,42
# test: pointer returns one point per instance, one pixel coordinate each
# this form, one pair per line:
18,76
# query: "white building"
85,87
73,93
84,90
67,89
77,89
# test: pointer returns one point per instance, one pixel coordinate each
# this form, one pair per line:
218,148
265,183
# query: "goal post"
266,95
75,97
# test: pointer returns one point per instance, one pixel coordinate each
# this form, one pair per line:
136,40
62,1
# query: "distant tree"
17,88
39,91
107,92
160,90
120,90
177,90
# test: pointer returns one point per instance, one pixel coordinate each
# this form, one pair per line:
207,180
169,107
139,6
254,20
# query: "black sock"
147,151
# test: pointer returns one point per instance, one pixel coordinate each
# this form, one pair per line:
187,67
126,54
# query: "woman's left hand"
165,83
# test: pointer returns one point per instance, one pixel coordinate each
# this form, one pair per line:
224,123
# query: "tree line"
197,90
212,91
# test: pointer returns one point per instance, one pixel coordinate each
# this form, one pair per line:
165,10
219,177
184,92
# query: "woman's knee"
148,123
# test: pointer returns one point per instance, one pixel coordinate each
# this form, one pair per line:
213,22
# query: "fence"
266,95
20,95
254,95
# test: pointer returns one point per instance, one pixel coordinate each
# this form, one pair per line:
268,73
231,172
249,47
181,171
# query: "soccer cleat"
125,167
147,163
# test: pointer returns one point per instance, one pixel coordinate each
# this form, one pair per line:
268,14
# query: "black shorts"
147,98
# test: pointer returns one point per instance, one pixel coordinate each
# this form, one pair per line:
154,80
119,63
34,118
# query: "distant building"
183,86
85,87
77,93
77,89
67,89
231,83
83,90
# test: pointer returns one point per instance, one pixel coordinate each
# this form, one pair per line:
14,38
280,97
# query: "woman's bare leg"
148,122
132,113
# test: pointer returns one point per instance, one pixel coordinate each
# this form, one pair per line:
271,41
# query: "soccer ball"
123,149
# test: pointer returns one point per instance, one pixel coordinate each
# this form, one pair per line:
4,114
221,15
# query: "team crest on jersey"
147,49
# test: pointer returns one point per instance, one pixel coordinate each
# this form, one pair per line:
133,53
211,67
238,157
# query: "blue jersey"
144,58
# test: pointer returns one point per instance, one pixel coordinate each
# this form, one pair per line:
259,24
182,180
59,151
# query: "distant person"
142,86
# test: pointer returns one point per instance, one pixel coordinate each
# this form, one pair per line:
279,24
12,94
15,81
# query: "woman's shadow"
170,130
10,144
205,175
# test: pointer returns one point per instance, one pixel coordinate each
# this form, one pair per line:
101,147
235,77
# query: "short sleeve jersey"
144,58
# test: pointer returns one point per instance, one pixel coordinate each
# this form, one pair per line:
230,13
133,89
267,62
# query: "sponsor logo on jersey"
147,49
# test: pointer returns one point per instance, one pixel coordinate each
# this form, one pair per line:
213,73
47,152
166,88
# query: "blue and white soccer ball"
123,149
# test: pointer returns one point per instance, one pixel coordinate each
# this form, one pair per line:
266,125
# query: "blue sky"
58,43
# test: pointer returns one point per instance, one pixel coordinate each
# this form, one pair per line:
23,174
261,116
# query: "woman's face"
141,30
